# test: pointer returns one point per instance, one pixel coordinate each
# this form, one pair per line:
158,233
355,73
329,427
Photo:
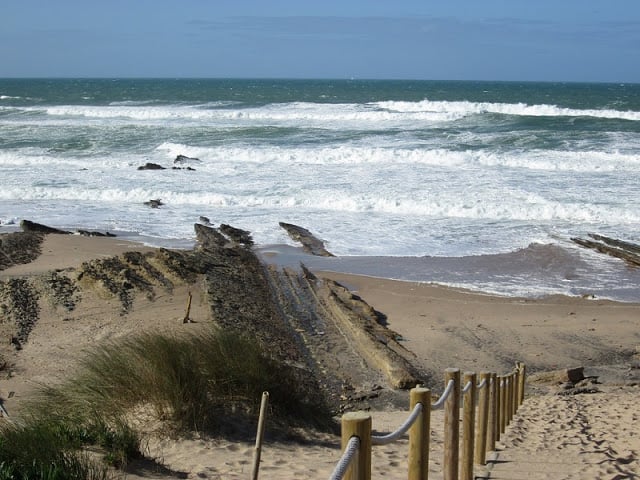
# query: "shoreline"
536,272
404,269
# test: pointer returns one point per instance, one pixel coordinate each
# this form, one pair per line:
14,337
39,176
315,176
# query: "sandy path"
315,459
573,437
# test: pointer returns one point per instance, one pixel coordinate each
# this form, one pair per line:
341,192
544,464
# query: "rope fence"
348,455
402,429
488,406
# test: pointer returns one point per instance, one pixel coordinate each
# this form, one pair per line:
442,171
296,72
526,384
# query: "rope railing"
488,407
401,430
347,457
467,387
447,391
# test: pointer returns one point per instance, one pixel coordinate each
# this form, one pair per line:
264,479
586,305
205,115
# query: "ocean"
479,185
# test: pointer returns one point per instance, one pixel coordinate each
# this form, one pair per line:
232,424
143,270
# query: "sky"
521,40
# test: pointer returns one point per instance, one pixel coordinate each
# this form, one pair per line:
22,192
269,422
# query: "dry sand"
555,437
445,327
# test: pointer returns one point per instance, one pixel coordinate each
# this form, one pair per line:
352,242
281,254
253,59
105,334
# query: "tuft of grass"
194,382
41,451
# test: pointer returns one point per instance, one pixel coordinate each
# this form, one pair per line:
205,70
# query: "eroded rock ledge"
310,243
627,251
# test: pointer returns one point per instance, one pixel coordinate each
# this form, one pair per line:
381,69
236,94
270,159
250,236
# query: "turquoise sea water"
496,172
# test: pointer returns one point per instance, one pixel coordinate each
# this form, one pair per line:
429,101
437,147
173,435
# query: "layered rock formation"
338,343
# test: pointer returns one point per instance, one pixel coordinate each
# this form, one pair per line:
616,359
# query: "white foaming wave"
342,155
330,116
35,157
116,195
133,103
550,160
345,112
325,115
355,154
131,112
9,97
504,207
464,108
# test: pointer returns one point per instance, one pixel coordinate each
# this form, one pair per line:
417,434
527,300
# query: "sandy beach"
577,436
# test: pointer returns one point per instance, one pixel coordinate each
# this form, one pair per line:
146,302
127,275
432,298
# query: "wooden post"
483,419
509,398
516,394
509,401
503,403
468,427
492,431
498,406
186,318
523,372
260,433
358,424
451,426
420,435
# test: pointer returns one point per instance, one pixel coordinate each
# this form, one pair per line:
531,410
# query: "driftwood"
627,251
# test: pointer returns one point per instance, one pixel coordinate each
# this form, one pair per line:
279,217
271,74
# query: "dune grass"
210,382
43,450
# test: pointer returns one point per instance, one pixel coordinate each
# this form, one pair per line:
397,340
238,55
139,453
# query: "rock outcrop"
184,160
627,251
151,166
29,226
310,243
154,203
337,343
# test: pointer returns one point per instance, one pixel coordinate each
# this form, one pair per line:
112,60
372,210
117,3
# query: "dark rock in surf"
184,168
151,166
310,243
237,235
184,160
29,226
88,233
154,203
627,251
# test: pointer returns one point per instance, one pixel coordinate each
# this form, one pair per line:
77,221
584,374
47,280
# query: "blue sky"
559,40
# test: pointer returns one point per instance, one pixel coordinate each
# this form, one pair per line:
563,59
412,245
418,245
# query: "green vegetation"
43,451
208,383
